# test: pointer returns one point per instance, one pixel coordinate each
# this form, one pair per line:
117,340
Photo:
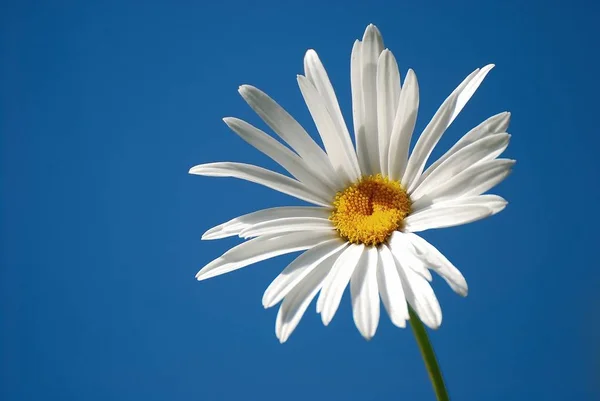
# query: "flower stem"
433,369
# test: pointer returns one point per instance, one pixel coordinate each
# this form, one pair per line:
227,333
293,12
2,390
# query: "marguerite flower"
369,202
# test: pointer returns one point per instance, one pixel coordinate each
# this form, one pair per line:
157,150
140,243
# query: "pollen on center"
370,210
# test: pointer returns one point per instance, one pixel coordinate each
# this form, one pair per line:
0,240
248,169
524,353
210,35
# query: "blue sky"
104,106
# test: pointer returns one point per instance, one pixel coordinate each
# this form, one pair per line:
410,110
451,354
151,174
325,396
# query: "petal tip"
435,323
368,336
243,89
283,333
267,302
372,27
198,169
400,323
463,290
371,30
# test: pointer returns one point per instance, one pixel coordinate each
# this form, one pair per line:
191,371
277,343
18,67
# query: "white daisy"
370,202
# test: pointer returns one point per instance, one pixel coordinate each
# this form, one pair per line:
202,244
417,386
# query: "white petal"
473,181
388,93
404,125
493,125
237,225
426,142
337,281
390,288
315,72
438,262
299,269
259,175
341,153
441,120
372,46
405,252
466,94
482,150
440,217
282,155
358,106
420,296
261,248
365,294
493,202
289,130
287,224
295,303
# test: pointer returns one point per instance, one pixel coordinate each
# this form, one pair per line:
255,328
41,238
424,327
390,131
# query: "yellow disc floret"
369,211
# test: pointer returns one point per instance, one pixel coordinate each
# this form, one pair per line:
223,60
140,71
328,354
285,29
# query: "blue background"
106,105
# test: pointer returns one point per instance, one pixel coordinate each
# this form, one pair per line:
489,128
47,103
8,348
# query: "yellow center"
369,211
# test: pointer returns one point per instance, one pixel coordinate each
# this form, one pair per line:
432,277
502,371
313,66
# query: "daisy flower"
371,198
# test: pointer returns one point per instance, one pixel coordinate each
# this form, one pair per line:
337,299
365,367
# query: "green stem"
433,369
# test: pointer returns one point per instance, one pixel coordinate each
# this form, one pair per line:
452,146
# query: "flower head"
370,199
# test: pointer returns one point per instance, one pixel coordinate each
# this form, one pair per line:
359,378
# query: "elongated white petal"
259,175
403,127
493,202
493,125
289,130
473,181
365,294
261,248
295,303
465,95
405,252
420,296
426,142
442,120
388,93
390,288
237,225
340,153
287,224
372,46
482,150
438,263
315,72
358,106
337,281
281,154
299,269
441,217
